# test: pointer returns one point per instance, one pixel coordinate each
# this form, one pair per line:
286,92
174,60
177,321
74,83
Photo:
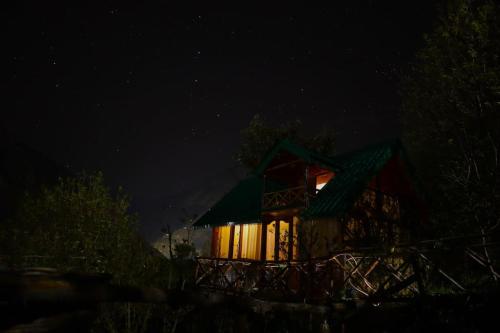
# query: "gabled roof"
301,152
353,171
356,169
241,204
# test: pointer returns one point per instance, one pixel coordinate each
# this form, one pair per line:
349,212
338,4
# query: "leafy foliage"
259,137
451,116
79,225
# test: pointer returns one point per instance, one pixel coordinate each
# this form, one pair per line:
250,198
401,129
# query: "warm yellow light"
323,179
271,227
283,240
236,241
222,246
250,243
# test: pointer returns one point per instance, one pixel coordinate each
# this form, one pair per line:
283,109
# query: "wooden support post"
263,243
240,241
290,238
215,242
214,248
306,186
276,240
384,221
231,242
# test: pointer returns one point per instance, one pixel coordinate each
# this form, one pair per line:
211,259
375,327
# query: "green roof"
356,169
241,204
353,171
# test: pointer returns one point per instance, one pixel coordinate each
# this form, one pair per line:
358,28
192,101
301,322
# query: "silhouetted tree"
79,225
451,115
260,136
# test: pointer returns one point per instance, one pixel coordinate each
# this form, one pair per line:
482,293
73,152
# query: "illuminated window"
246,241
270,241
250,241
323,179
236,241
295,240
284,243
283,240
222,238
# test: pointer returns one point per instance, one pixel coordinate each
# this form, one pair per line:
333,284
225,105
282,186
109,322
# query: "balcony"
287,198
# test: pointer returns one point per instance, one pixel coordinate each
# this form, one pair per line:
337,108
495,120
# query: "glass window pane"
223,234
236,241
271,227
251,240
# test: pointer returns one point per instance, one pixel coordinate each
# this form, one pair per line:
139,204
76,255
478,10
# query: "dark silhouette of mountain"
23,169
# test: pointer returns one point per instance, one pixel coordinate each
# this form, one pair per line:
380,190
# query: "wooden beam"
382,293
282,165
263,243
276,240
240,241
306,185
231,242
290,238
214,248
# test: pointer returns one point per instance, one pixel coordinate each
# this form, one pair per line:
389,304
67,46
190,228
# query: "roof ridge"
293,148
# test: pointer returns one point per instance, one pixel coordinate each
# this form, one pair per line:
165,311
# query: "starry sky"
155,95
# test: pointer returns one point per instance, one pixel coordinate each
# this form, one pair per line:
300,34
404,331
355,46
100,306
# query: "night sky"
155,96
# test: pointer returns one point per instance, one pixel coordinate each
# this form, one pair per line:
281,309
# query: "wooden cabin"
307,227
298,205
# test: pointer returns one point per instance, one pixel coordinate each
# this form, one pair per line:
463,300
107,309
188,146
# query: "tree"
79,225
259,137
451,116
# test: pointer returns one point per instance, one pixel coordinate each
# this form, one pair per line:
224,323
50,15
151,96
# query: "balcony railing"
342,275
290,197
451,266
